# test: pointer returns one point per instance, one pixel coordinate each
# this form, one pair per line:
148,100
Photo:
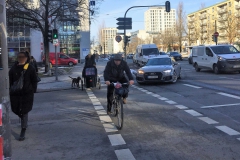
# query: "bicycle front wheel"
120,114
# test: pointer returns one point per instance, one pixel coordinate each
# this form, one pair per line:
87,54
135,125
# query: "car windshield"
159,61
224,49
150,51
174,53
163,53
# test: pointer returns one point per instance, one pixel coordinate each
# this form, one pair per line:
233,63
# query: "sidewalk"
64,82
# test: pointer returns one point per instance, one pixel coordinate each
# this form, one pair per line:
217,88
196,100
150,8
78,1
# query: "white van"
146,51
218,58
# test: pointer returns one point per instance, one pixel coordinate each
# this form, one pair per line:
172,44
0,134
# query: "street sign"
118,38
216,34
124,23
122,27
55,42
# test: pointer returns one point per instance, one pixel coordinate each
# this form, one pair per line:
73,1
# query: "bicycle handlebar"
122,84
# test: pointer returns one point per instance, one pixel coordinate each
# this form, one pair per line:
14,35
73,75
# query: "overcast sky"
110,10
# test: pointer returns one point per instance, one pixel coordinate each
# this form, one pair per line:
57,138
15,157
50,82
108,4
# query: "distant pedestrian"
22,100
96,57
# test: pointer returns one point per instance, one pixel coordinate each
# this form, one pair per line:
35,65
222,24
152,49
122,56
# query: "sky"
110,10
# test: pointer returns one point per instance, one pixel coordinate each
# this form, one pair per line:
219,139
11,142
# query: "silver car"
161,69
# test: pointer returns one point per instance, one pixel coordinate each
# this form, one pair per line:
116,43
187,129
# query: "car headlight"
167,71
140,72
221,58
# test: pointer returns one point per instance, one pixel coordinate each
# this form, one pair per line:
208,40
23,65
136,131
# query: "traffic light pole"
125,49
56,57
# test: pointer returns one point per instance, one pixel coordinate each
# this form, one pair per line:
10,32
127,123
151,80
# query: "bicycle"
117,103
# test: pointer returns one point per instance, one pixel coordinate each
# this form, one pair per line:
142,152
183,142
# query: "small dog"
75,81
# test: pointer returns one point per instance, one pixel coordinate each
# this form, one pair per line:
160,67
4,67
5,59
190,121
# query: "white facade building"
142,34
109,35
158,20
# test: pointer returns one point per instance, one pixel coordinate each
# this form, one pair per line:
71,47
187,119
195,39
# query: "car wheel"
181,59
70,64
175,77
216,69
196,68
189,61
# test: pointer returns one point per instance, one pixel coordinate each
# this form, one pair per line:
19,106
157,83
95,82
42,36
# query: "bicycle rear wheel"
120,114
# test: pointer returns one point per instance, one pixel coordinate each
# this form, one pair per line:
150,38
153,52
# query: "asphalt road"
195,118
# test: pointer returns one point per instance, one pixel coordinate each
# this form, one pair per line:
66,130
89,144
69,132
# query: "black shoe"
22,134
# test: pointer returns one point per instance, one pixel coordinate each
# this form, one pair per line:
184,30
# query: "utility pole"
5,130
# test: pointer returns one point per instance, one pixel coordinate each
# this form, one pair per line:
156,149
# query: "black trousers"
110,90
24,121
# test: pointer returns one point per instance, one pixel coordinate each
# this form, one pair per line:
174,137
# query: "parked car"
62,59
218,58
130,56
162,53
190,61
175,55
161,69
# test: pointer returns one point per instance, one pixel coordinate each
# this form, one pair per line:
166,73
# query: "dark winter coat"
114,73
89,62
34,64
21,103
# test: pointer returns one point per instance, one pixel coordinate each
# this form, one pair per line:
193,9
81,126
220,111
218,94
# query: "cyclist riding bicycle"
115,72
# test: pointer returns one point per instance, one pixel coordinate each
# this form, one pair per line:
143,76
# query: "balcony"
222,11
203,17
237,7
222,27
222,19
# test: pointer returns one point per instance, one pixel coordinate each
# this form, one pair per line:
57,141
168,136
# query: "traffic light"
50,36
214,38
167,6
127,39
54,34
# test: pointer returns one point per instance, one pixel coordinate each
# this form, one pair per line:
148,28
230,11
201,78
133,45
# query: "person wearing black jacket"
22,101
114,72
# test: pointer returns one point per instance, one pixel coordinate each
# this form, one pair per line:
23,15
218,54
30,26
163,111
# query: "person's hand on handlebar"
131,82
107,83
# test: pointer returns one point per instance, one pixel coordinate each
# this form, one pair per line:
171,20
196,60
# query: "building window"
229,4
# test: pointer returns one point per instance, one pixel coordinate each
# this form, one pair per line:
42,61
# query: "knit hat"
117,57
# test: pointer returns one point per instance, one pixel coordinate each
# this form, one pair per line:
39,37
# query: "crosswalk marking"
228,130
116,139
208,120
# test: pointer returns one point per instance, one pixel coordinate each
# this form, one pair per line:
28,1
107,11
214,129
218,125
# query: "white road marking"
181,106
149,92
92,97
110,127
98,107
124,154
238,139
208,120
229,95
156,95
193,113
228,130
94,100
229,78
116,139
105,119
192,86
163,98
170,102
101,112
96,103
222,105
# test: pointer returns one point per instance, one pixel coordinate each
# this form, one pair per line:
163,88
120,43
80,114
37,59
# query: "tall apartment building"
222,17
108,35
158,20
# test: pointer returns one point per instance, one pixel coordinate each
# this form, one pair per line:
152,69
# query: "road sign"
55,42
127,23
122,19
122,27
118,38
216,34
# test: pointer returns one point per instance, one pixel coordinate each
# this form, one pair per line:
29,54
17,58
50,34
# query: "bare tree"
35,14
101,36
180,24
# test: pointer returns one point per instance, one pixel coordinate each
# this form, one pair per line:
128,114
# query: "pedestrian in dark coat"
22,102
